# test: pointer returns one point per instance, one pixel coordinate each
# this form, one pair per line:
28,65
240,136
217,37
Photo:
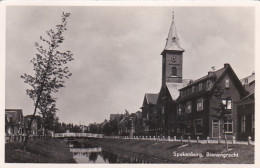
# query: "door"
215,128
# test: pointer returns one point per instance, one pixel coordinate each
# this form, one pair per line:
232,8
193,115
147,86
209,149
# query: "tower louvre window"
174,71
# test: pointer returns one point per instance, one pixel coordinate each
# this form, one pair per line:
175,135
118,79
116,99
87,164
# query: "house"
246,110
199,112
36,127
116,117
149,110
14,122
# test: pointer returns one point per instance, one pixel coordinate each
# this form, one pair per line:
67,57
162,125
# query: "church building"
204,107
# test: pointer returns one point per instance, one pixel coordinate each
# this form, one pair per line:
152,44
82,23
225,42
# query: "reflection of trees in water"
112,158
93,156
121,158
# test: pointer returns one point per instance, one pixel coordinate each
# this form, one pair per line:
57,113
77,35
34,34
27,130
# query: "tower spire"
172,41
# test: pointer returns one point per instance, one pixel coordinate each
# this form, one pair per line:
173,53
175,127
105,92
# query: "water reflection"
97,155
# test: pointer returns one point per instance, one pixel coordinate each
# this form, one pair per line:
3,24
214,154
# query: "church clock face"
173,59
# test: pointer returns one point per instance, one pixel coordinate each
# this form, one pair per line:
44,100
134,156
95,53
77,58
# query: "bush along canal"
140,151
38,151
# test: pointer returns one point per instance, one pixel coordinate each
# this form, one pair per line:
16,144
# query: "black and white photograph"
129,84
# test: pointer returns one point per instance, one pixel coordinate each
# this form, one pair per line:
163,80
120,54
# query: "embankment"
38,151
172,152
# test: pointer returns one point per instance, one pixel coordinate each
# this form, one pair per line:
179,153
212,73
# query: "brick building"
204,107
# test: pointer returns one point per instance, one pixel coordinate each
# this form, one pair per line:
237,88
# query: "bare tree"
50,71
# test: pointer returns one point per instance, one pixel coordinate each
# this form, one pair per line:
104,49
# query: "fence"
219,140
78,135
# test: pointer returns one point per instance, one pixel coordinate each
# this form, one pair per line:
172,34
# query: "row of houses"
217,104
17,124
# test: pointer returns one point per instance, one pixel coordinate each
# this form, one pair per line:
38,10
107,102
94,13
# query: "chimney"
210,73
226,65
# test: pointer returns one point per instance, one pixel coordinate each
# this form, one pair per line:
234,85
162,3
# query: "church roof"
172,41
174,88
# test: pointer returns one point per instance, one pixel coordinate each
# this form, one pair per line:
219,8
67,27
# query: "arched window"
174,71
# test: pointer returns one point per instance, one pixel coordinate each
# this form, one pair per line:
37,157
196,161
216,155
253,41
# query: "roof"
218,73
115,116
175,87
251,95
151,98
248,79
16,114
172,41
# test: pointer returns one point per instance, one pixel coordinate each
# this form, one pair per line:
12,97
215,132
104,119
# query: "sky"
117,52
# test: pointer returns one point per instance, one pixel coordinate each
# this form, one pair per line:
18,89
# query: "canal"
85,153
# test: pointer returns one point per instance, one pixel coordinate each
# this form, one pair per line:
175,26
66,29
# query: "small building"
246,110
14,121
36,127
149,110
116,117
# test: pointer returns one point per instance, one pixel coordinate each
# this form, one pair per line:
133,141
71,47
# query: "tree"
50,71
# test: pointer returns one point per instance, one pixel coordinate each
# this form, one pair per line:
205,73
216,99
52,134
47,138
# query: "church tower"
172,58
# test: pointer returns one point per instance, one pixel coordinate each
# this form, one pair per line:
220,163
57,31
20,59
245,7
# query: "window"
198,123
200,86
200,104
227,105
253,123
184,93
246,80
209,83
179,109
163,110
188,106
174,71
243,123
228,126
193,89
227,83
187,128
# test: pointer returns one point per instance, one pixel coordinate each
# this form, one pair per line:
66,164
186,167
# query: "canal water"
84,153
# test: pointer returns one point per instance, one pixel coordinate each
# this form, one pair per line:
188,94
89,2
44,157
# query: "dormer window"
193,89
200,86
174,71
227,83
246,80
209,83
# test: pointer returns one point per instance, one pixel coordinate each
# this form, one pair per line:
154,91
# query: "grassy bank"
163,152
38,151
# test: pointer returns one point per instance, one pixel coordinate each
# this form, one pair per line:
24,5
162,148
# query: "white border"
3,6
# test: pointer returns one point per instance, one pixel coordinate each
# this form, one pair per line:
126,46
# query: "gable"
233,80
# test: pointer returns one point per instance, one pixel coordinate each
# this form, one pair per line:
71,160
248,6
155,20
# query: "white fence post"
207,140
219,138
174,138
233,140
198,138
249,140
